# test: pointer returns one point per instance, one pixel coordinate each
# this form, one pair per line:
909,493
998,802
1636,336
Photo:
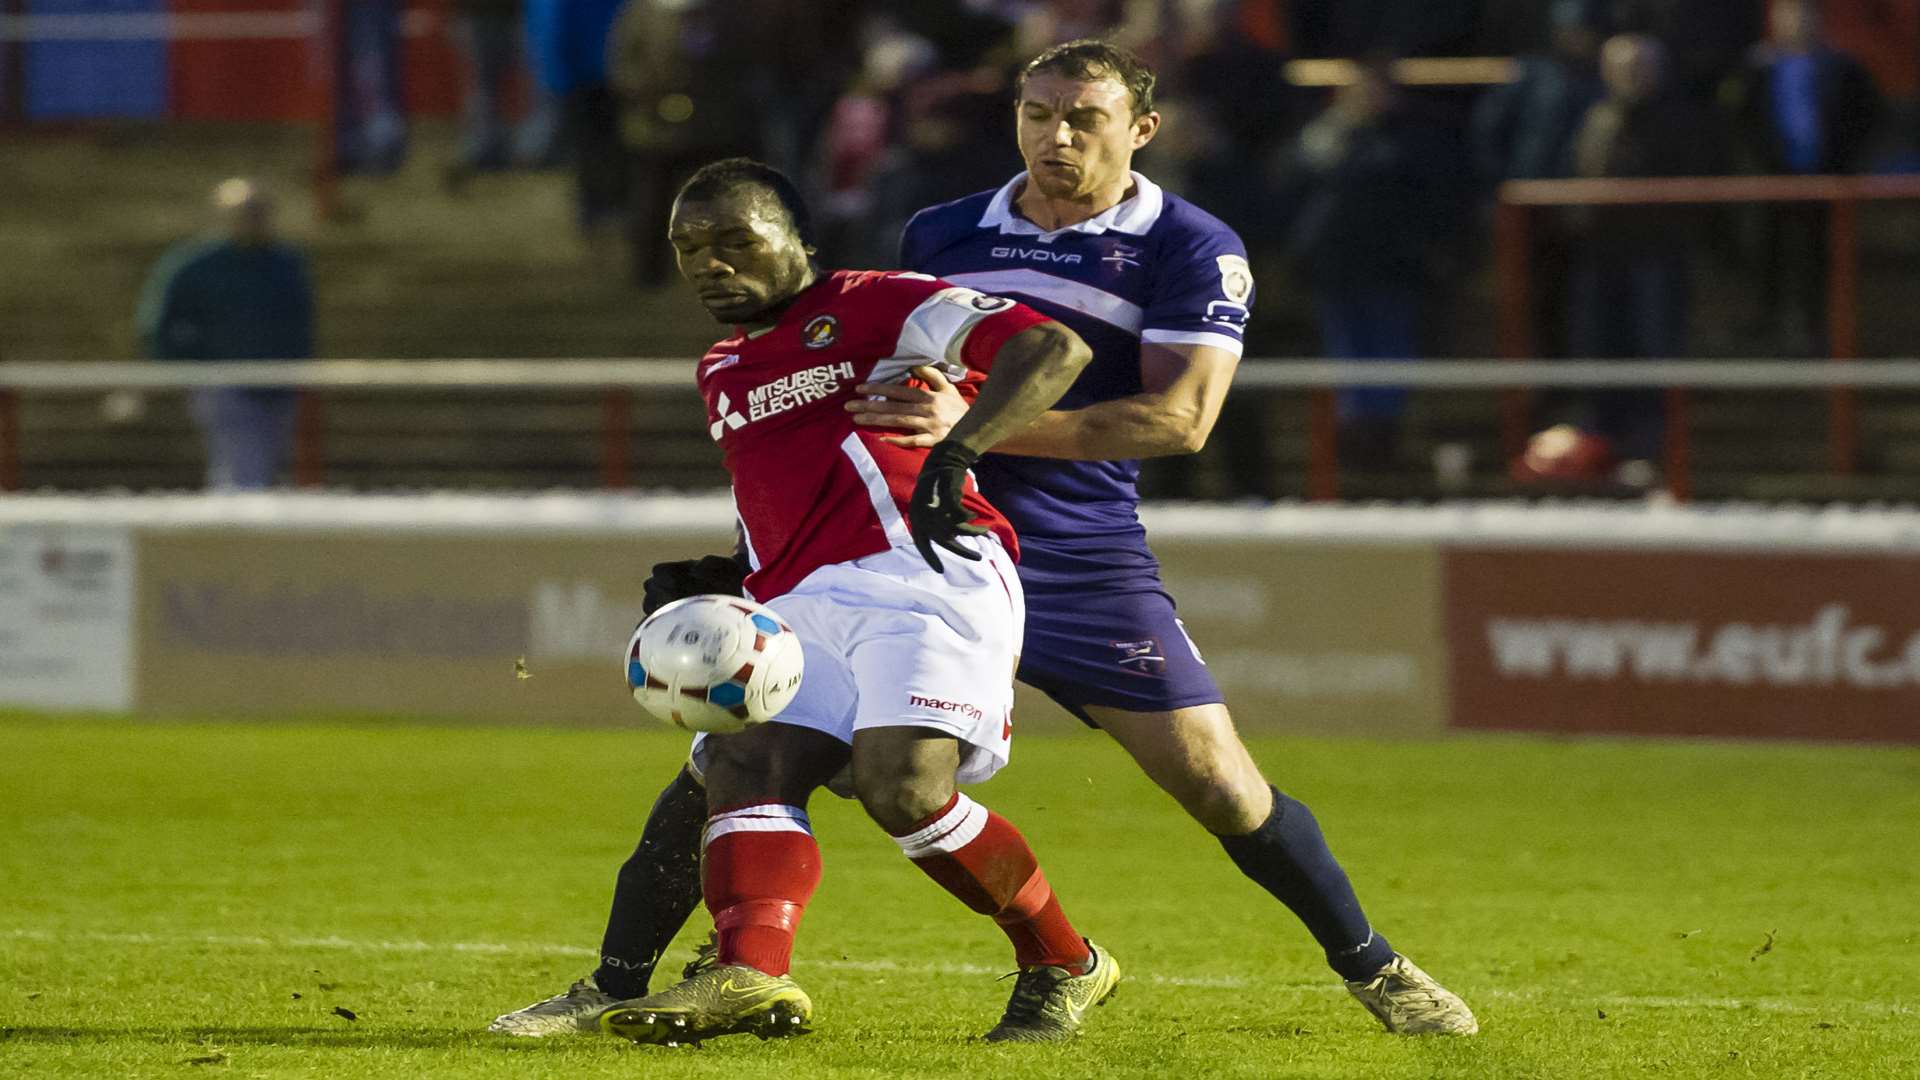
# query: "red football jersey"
811,487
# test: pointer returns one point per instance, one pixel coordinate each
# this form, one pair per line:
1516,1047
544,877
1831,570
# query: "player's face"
1078,137
741,253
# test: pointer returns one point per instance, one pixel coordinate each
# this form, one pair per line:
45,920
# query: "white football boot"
1409,1002
570,1013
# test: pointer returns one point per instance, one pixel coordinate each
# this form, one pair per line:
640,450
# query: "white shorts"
890,643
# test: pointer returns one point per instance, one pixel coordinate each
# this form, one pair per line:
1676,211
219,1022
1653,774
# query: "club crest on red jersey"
820,332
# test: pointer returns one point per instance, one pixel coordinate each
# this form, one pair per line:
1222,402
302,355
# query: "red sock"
979,857
759,867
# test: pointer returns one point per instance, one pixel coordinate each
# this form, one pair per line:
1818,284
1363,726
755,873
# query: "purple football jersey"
1155,268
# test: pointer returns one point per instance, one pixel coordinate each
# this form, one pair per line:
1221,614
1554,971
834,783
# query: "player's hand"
936,515
928,414
672,581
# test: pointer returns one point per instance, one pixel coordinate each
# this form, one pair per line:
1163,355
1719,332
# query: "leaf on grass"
1602,1012
520,669
1765,946
345,1014
32,994
1826,1025
1685,934
328,986
214,1058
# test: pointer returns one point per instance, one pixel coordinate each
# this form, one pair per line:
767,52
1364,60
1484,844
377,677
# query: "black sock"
1288,857
658,887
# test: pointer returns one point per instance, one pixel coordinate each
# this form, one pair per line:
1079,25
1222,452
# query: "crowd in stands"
1365,196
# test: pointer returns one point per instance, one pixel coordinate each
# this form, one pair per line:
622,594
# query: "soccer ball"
714,663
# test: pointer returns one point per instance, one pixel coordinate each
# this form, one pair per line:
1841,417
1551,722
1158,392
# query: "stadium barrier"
1520,201
618,379
1390,621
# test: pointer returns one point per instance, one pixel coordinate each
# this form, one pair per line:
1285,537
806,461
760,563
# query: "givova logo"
1037,254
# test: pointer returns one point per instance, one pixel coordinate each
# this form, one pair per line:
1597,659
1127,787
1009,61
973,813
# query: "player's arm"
1190,350
1184,387
1031,370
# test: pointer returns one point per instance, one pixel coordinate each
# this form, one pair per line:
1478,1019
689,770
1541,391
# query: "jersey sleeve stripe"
1084,299
877,491
1193,337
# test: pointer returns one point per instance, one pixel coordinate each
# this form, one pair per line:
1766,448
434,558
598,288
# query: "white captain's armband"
937,330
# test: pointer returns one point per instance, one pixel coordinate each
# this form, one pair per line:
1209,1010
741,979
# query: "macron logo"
971,712
1064,258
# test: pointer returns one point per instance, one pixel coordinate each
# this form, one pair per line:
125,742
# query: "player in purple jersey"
1160,290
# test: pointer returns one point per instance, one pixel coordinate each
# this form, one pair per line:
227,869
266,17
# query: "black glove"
692,577
936,515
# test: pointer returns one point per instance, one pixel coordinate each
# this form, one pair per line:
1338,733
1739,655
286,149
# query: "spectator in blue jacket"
567,43
239,294
1801,108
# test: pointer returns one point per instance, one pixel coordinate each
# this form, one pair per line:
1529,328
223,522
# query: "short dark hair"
720,177
1088,59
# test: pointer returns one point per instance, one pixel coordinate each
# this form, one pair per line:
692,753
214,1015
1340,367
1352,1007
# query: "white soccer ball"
714,663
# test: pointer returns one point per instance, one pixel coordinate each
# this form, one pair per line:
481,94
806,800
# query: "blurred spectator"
1524,130
1238,106
370,125
1372,187
861,133
1704,41
1800,108
922,121
682,103
1630,288
241,294
807,54
567,41
1055,21
490,36
1401,27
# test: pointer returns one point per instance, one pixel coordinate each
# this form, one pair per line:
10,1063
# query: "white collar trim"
1134,215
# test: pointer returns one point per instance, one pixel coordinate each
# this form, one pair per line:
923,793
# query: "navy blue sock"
658,888
1288,857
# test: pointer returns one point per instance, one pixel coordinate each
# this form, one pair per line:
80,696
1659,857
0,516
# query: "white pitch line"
1207,982
1221,982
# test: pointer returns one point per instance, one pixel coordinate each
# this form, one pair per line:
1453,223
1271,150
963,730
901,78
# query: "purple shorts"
1107,638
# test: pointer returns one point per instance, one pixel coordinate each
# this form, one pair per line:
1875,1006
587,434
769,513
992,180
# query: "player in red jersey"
909,658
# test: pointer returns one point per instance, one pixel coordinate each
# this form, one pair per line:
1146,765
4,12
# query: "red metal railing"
1513,246
616,382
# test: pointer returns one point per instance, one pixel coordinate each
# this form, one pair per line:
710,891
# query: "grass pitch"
358,900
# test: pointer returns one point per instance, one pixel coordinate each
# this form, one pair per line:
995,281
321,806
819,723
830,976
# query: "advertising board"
1755,643
509,628
66,617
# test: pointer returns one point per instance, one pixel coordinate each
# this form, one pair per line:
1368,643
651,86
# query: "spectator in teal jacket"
239,294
